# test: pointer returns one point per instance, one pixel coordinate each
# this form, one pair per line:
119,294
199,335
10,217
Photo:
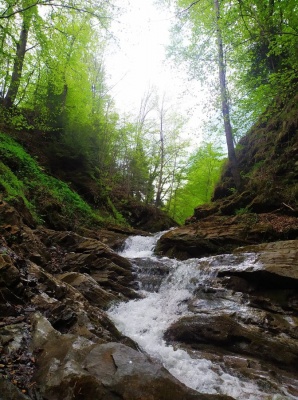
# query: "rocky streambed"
57,340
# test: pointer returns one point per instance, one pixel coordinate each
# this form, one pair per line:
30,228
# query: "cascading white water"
140,246
145,320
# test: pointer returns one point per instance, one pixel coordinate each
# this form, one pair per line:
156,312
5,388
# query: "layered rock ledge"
218,234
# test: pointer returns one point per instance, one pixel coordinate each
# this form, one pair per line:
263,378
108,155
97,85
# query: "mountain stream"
172,289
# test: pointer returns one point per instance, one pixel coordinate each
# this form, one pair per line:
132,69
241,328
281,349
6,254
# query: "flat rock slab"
280,258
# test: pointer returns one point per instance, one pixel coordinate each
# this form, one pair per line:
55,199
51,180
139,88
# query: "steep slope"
268,161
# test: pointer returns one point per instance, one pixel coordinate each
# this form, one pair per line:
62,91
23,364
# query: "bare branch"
189,7
19,11
49,3
30,48
291,208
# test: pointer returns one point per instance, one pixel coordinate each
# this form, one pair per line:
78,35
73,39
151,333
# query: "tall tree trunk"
162,157
18,64
162,113
224,100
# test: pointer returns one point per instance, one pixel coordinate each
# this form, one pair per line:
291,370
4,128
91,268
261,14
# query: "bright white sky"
139,61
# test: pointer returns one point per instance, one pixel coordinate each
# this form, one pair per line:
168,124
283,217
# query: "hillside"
50,185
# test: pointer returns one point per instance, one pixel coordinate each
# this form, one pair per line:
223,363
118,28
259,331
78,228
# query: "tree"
24,16
161,114
224,99
152,150
21,47
264,48
168,149
210,22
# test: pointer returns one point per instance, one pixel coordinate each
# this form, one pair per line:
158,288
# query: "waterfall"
167,286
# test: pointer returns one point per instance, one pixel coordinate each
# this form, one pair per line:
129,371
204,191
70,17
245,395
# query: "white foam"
140,246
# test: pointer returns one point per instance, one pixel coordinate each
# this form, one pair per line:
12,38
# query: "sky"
138,61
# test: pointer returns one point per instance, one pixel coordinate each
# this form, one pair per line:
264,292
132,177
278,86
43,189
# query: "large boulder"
143,216
277,258
71,367
86,285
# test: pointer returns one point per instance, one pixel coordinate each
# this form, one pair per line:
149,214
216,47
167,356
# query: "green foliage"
197,182
117,216
21,176
60,89
14,188
19,122
15,119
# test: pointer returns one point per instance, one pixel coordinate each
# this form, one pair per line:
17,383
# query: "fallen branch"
288,206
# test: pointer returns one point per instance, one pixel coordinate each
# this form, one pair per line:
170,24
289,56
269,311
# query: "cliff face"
266,207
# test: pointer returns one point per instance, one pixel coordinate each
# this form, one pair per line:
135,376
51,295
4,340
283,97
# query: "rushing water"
166,286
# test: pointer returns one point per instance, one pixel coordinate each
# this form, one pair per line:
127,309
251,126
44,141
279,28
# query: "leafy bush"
242,211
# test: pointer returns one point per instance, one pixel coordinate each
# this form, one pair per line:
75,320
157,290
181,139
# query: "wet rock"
279,258
273,283
114,237
132,375
72,367
64,251
249,308
19,236
90,289
9,215
266,375
9,274
11,282
226,331
17,363
68,309
213,235
150,274
112,272
11,336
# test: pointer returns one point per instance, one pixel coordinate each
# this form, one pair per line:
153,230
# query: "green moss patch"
48,199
